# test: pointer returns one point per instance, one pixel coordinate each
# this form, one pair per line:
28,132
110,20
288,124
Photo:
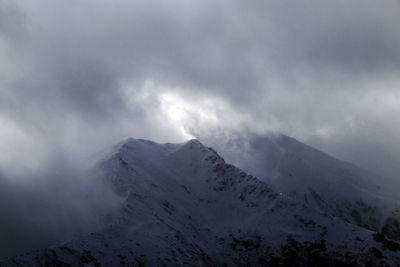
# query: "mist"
79,76
50,206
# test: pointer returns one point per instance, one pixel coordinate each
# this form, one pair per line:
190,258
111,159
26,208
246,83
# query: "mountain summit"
184,205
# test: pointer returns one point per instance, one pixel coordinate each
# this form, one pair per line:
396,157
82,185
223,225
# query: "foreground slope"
184,205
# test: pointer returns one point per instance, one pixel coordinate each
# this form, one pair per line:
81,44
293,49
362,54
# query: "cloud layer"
78,76
93,72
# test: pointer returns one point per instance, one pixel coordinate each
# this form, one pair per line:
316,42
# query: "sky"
78,76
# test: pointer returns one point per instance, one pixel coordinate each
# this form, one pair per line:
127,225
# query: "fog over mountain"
78,76
96,72
183,204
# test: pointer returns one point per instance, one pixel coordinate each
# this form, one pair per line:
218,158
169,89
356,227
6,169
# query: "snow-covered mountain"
332,186
184,205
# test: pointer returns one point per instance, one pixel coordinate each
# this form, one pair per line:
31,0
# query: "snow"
185,205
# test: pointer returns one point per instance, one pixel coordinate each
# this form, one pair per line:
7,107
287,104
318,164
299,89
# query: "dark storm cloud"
77,76
238,51
340,35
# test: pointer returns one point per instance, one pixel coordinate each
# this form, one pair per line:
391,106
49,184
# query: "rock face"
184,205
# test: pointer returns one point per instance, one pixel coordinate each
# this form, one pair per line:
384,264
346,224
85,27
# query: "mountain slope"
184,205
332,186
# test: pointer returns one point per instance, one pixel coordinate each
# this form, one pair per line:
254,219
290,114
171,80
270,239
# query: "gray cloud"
52,205
11,20
78,76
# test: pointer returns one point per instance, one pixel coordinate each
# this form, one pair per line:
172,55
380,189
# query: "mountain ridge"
183,204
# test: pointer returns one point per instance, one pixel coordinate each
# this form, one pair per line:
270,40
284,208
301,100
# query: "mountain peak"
139,141
131,141
194,141
153,150
183,203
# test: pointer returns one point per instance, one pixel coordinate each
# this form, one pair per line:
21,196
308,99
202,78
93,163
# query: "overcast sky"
76,76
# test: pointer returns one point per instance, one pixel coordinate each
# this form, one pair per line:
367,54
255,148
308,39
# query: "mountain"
184,205
330,185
